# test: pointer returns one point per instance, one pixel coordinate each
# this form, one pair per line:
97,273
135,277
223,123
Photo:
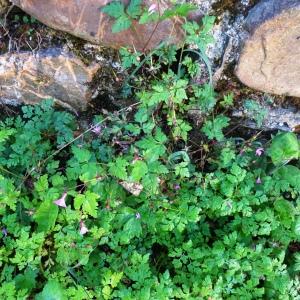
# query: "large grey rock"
53,73
270,59
276,118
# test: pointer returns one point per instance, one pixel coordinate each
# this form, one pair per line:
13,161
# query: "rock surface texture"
3,6
84,19
53,73
270,59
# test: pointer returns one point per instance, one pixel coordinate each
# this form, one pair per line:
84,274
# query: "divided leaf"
114,9
88,203
139,170
213,129
121,24
134,8
118,168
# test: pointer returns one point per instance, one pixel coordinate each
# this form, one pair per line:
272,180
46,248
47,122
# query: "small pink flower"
176,187
61,201
258,180
96,129
83,229
259,151
4,232
152,9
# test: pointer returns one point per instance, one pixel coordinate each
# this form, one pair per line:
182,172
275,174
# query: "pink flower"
96,129
61,201
4,232
152,9
259,151
83,229
177,187
258,180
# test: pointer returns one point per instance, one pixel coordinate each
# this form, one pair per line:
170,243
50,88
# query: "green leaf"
297,262
8,195
82,155
42,185
121,24
286,211
88,203
129,59
256,111
159,94
141,115
52,291
148,17
139,170
134,9
206,97
114,9
132,228
297,227
213,129
181,10
291,174
118,168
180,95
157,167
152,148
27,280
46,215
5,134
284,148
228,100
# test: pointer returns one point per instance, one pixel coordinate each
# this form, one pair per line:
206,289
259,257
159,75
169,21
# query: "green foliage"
284,147
213,129
257,112
52,291
151,207
124,16
135,11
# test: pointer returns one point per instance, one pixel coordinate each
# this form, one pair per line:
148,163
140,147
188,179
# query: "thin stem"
77,138
155,28
203,56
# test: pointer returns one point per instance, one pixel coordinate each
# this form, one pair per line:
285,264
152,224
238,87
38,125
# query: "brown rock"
270,59
4,4
84,19
52,73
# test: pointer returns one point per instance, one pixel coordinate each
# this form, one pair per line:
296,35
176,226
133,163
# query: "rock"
53,73
277,118
132,187
228,32
4,4
84,19
270,59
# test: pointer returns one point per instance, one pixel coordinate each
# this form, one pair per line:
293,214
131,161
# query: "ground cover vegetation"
146,204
